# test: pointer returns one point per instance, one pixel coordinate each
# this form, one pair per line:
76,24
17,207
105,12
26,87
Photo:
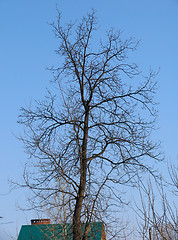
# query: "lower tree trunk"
77,228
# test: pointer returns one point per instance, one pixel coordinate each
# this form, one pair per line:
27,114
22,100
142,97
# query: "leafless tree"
92,133
157,208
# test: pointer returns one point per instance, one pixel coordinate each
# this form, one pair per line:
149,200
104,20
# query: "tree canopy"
92,132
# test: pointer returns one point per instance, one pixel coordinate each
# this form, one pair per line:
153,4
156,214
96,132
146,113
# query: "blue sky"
27,47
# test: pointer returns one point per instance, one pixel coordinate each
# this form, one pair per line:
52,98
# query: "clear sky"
27,47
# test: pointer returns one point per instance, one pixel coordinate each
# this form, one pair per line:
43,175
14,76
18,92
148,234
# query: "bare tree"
158,211
92,134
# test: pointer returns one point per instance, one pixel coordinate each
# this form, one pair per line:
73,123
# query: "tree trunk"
77,231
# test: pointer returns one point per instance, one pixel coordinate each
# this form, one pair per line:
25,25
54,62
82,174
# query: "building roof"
59,232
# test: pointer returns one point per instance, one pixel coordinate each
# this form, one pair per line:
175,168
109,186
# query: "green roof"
57,232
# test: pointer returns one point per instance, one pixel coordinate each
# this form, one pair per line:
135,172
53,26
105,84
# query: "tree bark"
77,231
